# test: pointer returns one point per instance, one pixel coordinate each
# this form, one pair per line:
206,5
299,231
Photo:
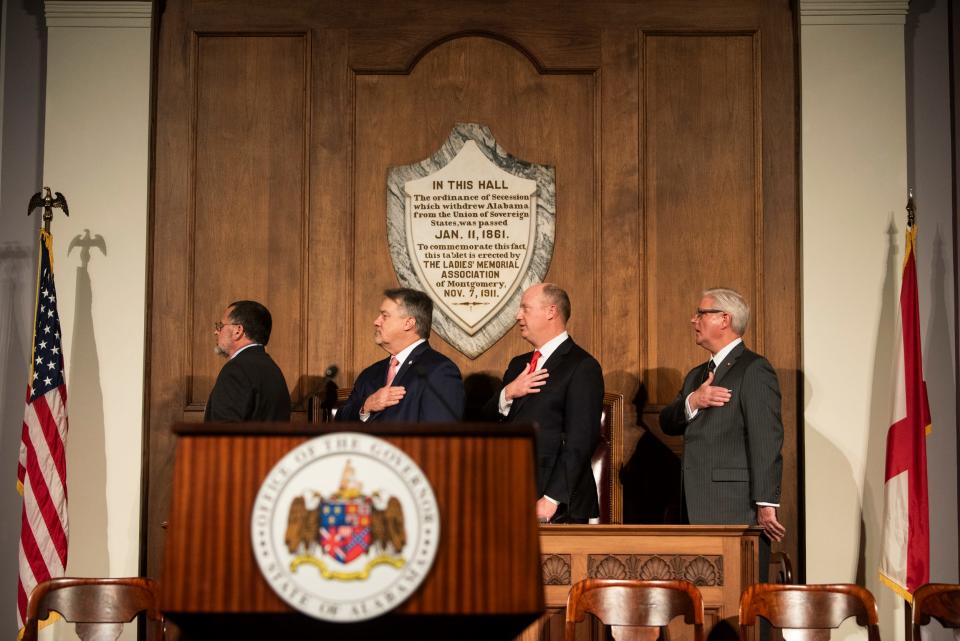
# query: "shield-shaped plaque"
473,227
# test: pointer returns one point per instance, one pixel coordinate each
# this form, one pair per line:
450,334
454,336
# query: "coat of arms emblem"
345,527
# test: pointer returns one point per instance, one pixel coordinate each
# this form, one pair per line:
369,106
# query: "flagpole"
911,211
908,603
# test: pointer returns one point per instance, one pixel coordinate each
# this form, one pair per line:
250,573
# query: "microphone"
421,373
326,394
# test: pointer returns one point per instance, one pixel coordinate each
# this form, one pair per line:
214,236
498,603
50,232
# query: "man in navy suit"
729,415
558,386
250,386
415,383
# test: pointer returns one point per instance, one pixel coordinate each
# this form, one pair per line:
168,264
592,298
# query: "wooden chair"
940,601
634,610
781,568
97,607
807,612
608,459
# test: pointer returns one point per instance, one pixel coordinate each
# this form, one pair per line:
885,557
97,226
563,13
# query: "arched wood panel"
671,125
484,80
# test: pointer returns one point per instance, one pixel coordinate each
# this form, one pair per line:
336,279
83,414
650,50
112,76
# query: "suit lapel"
408,364
728,363
515,405
551,365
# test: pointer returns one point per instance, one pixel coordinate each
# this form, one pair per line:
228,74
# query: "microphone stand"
324,400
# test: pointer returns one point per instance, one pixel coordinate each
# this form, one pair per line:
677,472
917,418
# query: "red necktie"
393,370
533,361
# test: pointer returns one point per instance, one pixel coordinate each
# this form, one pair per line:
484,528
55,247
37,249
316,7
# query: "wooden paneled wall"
671,124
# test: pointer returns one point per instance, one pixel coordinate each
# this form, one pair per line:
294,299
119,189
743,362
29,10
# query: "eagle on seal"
386,526
303,526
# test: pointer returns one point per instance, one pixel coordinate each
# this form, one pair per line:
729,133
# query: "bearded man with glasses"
250,386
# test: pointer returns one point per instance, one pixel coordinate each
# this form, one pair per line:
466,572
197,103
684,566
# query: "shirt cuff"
765,504
554,501
504,405
690,413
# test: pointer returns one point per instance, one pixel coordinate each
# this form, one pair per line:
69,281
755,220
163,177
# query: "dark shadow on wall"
478,389
651,478
86,453
911,31
17,287
881,405
938,371
15,318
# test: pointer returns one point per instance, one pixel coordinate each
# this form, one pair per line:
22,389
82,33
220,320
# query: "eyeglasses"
218,325
701,312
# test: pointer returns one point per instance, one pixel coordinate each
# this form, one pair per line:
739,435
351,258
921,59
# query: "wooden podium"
486,580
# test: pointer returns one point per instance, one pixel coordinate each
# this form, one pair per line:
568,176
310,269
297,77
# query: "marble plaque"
473,227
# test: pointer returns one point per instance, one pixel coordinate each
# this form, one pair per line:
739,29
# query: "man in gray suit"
729,415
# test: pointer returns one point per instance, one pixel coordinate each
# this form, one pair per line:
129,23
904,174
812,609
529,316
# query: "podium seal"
345,527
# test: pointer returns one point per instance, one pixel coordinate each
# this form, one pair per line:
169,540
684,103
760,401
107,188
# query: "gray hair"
732,303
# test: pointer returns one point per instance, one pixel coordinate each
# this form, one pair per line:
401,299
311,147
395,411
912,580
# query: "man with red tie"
414,383
558,386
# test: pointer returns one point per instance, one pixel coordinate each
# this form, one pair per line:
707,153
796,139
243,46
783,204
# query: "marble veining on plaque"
473,227
699,570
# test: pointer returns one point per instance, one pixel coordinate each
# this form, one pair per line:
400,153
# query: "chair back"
97,607
940,601
781,567
634,610
808,612
607,460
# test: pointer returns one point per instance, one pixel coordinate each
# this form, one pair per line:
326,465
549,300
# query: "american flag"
42,467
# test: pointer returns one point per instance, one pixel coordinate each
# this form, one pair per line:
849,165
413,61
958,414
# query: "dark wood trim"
488,430
953,38
157,10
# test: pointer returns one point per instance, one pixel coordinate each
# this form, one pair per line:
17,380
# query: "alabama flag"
905,561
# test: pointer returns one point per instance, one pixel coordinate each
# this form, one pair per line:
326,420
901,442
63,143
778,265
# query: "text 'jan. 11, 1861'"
470,228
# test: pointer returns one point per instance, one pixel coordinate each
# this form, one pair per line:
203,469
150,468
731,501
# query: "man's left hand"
767,519
545,509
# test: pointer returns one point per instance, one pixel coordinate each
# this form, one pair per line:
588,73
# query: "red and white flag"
905,560
42,466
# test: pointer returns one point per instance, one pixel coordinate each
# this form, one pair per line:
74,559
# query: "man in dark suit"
415,383
250,386
729,415
559,387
